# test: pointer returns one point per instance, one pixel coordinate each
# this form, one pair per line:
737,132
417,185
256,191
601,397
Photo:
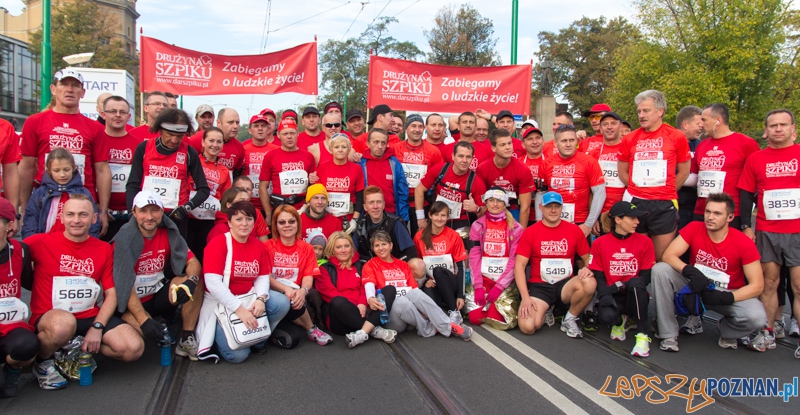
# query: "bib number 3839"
782,204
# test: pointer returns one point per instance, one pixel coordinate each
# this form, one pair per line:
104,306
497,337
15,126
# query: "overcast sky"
235,27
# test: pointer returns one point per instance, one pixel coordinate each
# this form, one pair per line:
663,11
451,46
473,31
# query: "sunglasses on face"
284,222
595,117
333,125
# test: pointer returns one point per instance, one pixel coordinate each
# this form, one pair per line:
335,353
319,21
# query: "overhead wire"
311,17
363,4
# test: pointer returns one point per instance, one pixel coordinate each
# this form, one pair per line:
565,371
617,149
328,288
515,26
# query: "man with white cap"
65,126
155,272
550,246
204,117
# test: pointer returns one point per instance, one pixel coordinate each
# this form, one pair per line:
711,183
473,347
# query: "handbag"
236,332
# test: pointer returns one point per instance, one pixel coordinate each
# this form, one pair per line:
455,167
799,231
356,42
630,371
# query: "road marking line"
535,382
567,377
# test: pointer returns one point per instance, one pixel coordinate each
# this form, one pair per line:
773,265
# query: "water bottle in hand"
85,369
165,342
384,313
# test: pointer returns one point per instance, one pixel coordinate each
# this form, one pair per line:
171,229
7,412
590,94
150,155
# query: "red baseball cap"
531,130
257,118
289,113
266,111
286,124
596,109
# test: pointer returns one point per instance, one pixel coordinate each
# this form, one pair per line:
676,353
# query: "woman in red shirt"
293,269
201,218
339,284
443,253
231,196
344,181
411,305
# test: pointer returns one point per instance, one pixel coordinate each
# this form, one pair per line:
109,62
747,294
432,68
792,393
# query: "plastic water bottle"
384,312
467,277
85,369
166,347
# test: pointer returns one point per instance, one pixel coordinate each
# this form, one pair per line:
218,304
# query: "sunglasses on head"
332,125
563,127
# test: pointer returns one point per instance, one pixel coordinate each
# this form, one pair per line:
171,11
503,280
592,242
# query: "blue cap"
552,197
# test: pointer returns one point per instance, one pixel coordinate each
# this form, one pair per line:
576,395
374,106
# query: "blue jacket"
400,183
38,207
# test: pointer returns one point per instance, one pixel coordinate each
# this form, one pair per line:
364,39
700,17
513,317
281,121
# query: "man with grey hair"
654,162
331,125
154,103
688,122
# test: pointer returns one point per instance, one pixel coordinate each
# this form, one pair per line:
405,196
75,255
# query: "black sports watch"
743,227
98,325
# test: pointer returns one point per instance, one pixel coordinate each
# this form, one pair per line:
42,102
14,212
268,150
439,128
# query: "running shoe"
630,324
746,340
769,339
779,329
618,332
319,336
187,348
386,335
797,352
669,345
355,338
758,343
571,327
460,331
549,318
654,328
693,325
48,376
794,330
455,317
588,320
642,347
10,386
727,343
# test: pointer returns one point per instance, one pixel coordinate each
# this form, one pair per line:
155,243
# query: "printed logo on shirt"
256,157
286,260
624,267
609,156
714,152
227,160
246,269
414,158
568,170
337,184
10,289
474,164
161,171
782,168
309,231
68,142
180,158
650,144
151,265
393,274
211,174
438,247
120,156
71,265
712,163
495,235
704,258
593,145
450,194
293,166
555,247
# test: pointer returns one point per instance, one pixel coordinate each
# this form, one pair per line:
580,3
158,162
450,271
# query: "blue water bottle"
384,312
85,369
166,347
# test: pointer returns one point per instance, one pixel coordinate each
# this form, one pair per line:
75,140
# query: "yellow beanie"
315,189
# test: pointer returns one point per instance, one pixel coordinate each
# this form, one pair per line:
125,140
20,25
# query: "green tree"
344,65
698,52
462,38
582,57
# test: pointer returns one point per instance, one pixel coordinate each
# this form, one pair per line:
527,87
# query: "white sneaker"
549,318
794,330
187,348
48,376
455,317
386,335
355,338
571,327
693,325
779,329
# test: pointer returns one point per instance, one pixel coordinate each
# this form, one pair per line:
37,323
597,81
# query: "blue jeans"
277,307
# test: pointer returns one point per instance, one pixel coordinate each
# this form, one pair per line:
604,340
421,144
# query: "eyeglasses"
563,127
333,125
284,222
157,104
115,112
595,117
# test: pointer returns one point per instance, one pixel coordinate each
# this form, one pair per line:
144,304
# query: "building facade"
19,80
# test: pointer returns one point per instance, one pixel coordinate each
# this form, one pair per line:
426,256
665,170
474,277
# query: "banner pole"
141,106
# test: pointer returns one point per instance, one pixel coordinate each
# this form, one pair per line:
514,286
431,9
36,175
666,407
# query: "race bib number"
403,291
495,249
493,267
568,212
80,165
721,279
168,189
119,176
286,276
293,182
710,181
414,173
148,284
611,173
74,294
435,261
288,283
455,207
254,179
782,204
12,310
338,204
649,173
554,270
562,183
207,210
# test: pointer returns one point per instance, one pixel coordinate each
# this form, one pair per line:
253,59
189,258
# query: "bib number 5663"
73,294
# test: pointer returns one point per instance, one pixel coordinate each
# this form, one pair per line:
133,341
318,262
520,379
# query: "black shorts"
84,324
549,293
159,305
661,219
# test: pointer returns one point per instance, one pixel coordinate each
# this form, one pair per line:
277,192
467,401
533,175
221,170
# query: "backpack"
430,194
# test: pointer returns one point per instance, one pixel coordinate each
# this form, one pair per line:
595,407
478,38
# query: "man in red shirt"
121,146
510,174
561,118
321,150
719,255
333,107
65,126
606,155
154,103
380,117
689,121
654,162
396,127
466,128
312,133
595,114
204,117
232,154
355,123
70,271
481,130
316,218
504,121
550,246
436,132
255,149
771,177
533,159
9,157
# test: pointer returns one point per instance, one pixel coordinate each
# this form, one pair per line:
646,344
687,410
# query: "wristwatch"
194,278
98,325
743,227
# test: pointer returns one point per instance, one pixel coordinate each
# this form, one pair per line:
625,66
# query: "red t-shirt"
153,260
342,182
304,140
653,159
327,225
231,156
348,284
281,161
773,173
217,175
606,156
573,179
540,241
729,256
446,244
9,145
535,167
56,257
142,132
360,143
515,178
248,262
76,133
721,160
292,262
442,147
253,157
591,145
120,151
453,188
482,153
622,259
10,283
169,171
381,273
415,161
549,149
221,226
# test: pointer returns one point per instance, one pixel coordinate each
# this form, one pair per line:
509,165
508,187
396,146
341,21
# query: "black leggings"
197,233
22,345
345,317
446,289
632,303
